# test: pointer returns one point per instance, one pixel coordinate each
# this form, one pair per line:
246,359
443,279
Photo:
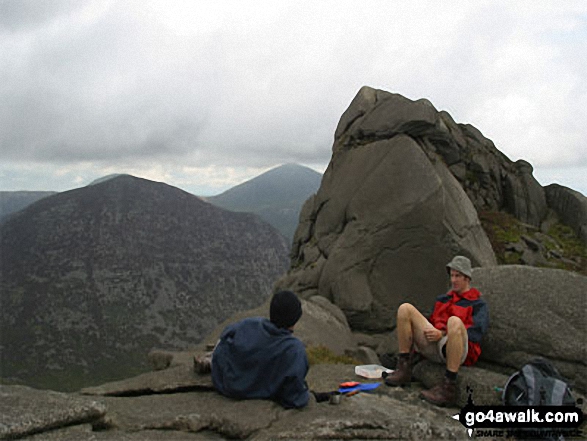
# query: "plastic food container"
371,370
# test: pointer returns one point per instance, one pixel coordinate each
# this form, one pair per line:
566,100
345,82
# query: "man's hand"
432,334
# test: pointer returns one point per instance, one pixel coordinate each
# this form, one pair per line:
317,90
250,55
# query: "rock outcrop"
92,279
492,181
570,206
402,195
535,312
384,216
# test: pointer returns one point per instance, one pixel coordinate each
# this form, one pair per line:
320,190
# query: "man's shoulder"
253,320
475,295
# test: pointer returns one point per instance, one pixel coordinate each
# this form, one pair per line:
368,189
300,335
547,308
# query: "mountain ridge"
91,279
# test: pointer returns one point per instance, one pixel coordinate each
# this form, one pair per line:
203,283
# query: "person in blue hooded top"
260,358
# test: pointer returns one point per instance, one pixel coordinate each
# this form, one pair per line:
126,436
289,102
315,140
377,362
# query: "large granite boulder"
321,324
387,217
535,312
570,206
491,180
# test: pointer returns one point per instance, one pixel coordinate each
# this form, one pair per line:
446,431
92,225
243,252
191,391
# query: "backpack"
538,383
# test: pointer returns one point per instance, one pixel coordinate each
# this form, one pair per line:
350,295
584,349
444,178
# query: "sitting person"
260,358
451,336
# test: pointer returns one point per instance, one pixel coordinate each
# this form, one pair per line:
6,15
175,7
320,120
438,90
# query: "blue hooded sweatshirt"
256,359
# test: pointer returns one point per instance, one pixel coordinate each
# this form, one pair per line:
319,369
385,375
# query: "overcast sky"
205,94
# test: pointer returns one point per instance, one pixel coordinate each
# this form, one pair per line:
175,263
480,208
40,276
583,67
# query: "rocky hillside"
276,196
13,201
404,193
92,279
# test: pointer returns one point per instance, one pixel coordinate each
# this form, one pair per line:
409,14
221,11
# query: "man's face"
459,282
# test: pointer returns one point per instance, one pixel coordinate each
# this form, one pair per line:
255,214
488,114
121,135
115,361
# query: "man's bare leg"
410,322
444,394
455,343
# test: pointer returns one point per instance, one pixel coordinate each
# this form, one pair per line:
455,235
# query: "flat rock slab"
85,433
176,379
192,412
24,410
369,416
383,414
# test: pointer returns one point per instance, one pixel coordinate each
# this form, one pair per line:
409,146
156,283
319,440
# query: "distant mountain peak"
107,178
276,195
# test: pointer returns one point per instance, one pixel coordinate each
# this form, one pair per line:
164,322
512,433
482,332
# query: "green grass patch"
568,241
511,258
503,228
322,355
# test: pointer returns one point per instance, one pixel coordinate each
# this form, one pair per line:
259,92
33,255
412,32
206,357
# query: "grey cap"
461,264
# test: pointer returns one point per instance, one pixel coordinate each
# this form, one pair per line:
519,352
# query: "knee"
405,309
455,326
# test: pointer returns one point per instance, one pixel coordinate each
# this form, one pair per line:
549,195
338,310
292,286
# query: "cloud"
25,15
161,87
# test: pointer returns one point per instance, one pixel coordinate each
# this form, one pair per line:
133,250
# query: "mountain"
91,279
13,201
276,196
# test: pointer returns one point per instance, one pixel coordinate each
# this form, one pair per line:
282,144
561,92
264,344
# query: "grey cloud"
122,84
92,94
23,15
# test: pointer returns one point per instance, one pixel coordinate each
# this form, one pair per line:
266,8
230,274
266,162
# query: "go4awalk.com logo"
521,421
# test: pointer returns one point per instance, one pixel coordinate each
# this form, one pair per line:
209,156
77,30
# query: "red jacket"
471,309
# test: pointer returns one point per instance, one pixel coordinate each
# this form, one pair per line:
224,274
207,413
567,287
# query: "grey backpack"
538,383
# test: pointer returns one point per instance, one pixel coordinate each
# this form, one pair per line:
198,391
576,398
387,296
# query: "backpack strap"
537,382
506,394
529,373
559,388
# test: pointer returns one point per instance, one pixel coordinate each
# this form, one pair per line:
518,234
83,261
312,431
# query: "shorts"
435,351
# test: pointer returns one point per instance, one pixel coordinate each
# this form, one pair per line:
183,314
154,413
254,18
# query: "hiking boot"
402,374
203,363
443,394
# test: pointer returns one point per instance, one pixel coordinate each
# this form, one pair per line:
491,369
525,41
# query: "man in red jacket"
450,336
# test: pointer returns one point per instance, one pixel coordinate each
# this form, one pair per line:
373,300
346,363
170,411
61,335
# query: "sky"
204,95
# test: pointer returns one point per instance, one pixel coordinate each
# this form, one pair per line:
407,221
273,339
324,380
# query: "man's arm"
294,390
294,393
